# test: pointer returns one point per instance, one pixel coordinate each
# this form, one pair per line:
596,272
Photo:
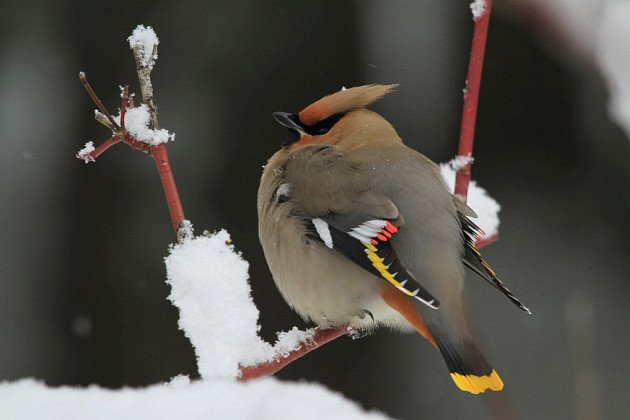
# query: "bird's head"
337,118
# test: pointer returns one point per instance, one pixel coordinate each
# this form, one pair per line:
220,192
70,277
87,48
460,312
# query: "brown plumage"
343,101
360,230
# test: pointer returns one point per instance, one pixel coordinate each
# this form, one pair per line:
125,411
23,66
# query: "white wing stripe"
323,231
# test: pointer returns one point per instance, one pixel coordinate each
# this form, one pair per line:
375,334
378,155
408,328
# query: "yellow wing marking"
377,262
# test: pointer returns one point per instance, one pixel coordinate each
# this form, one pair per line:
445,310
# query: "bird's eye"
324,126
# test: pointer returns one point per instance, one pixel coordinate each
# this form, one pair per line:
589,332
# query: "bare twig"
144,77
124,105
97,101
103,146
119,133
159,152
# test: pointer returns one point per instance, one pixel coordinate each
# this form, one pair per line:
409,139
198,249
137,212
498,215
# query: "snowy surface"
210,287
485,206
146,41
180,399
137,122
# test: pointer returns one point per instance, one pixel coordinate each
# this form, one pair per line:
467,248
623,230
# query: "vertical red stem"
168,182
471,97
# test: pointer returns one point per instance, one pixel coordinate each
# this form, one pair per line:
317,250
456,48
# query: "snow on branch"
209,284
478,8
138,124
145,42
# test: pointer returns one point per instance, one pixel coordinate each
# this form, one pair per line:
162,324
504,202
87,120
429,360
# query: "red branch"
97,101
91,157
175,208
471,97
158,153
321,337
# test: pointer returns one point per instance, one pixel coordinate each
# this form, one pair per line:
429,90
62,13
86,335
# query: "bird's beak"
290,121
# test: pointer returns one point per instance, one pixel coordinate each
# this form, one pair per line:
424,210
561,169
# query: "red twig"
321,337
175,208
159,153
136,144
97,101
103,146
471,97
118,131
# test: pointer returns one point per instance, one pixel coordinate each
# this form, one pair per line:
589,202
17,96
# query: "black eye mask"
294,125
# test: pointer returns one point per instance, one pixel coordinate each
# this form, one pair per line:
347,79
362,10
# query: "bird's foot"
355,334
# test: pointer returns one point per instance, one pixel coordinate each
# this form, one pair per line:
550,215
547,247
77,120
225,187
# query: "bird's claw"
355,334
363,312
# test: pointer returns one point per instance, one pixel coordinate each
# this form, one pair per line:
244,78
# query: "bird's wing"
331,191
365,240
473,260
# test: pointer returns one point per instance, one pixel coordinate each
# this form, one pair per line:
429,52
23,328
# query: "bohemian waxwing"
360,230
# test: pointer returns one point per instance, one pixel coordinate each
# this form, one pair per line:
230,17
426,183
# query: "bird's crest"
343,101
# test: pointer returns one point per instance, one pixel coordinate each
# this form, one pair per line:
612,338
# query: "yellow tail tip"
477,384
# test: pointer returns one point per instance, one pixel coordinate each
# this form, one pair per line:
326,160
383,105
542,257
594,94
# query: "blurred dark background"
82,291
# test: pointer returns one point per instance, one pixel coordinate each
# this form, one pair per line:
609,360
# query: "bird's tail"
469,369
